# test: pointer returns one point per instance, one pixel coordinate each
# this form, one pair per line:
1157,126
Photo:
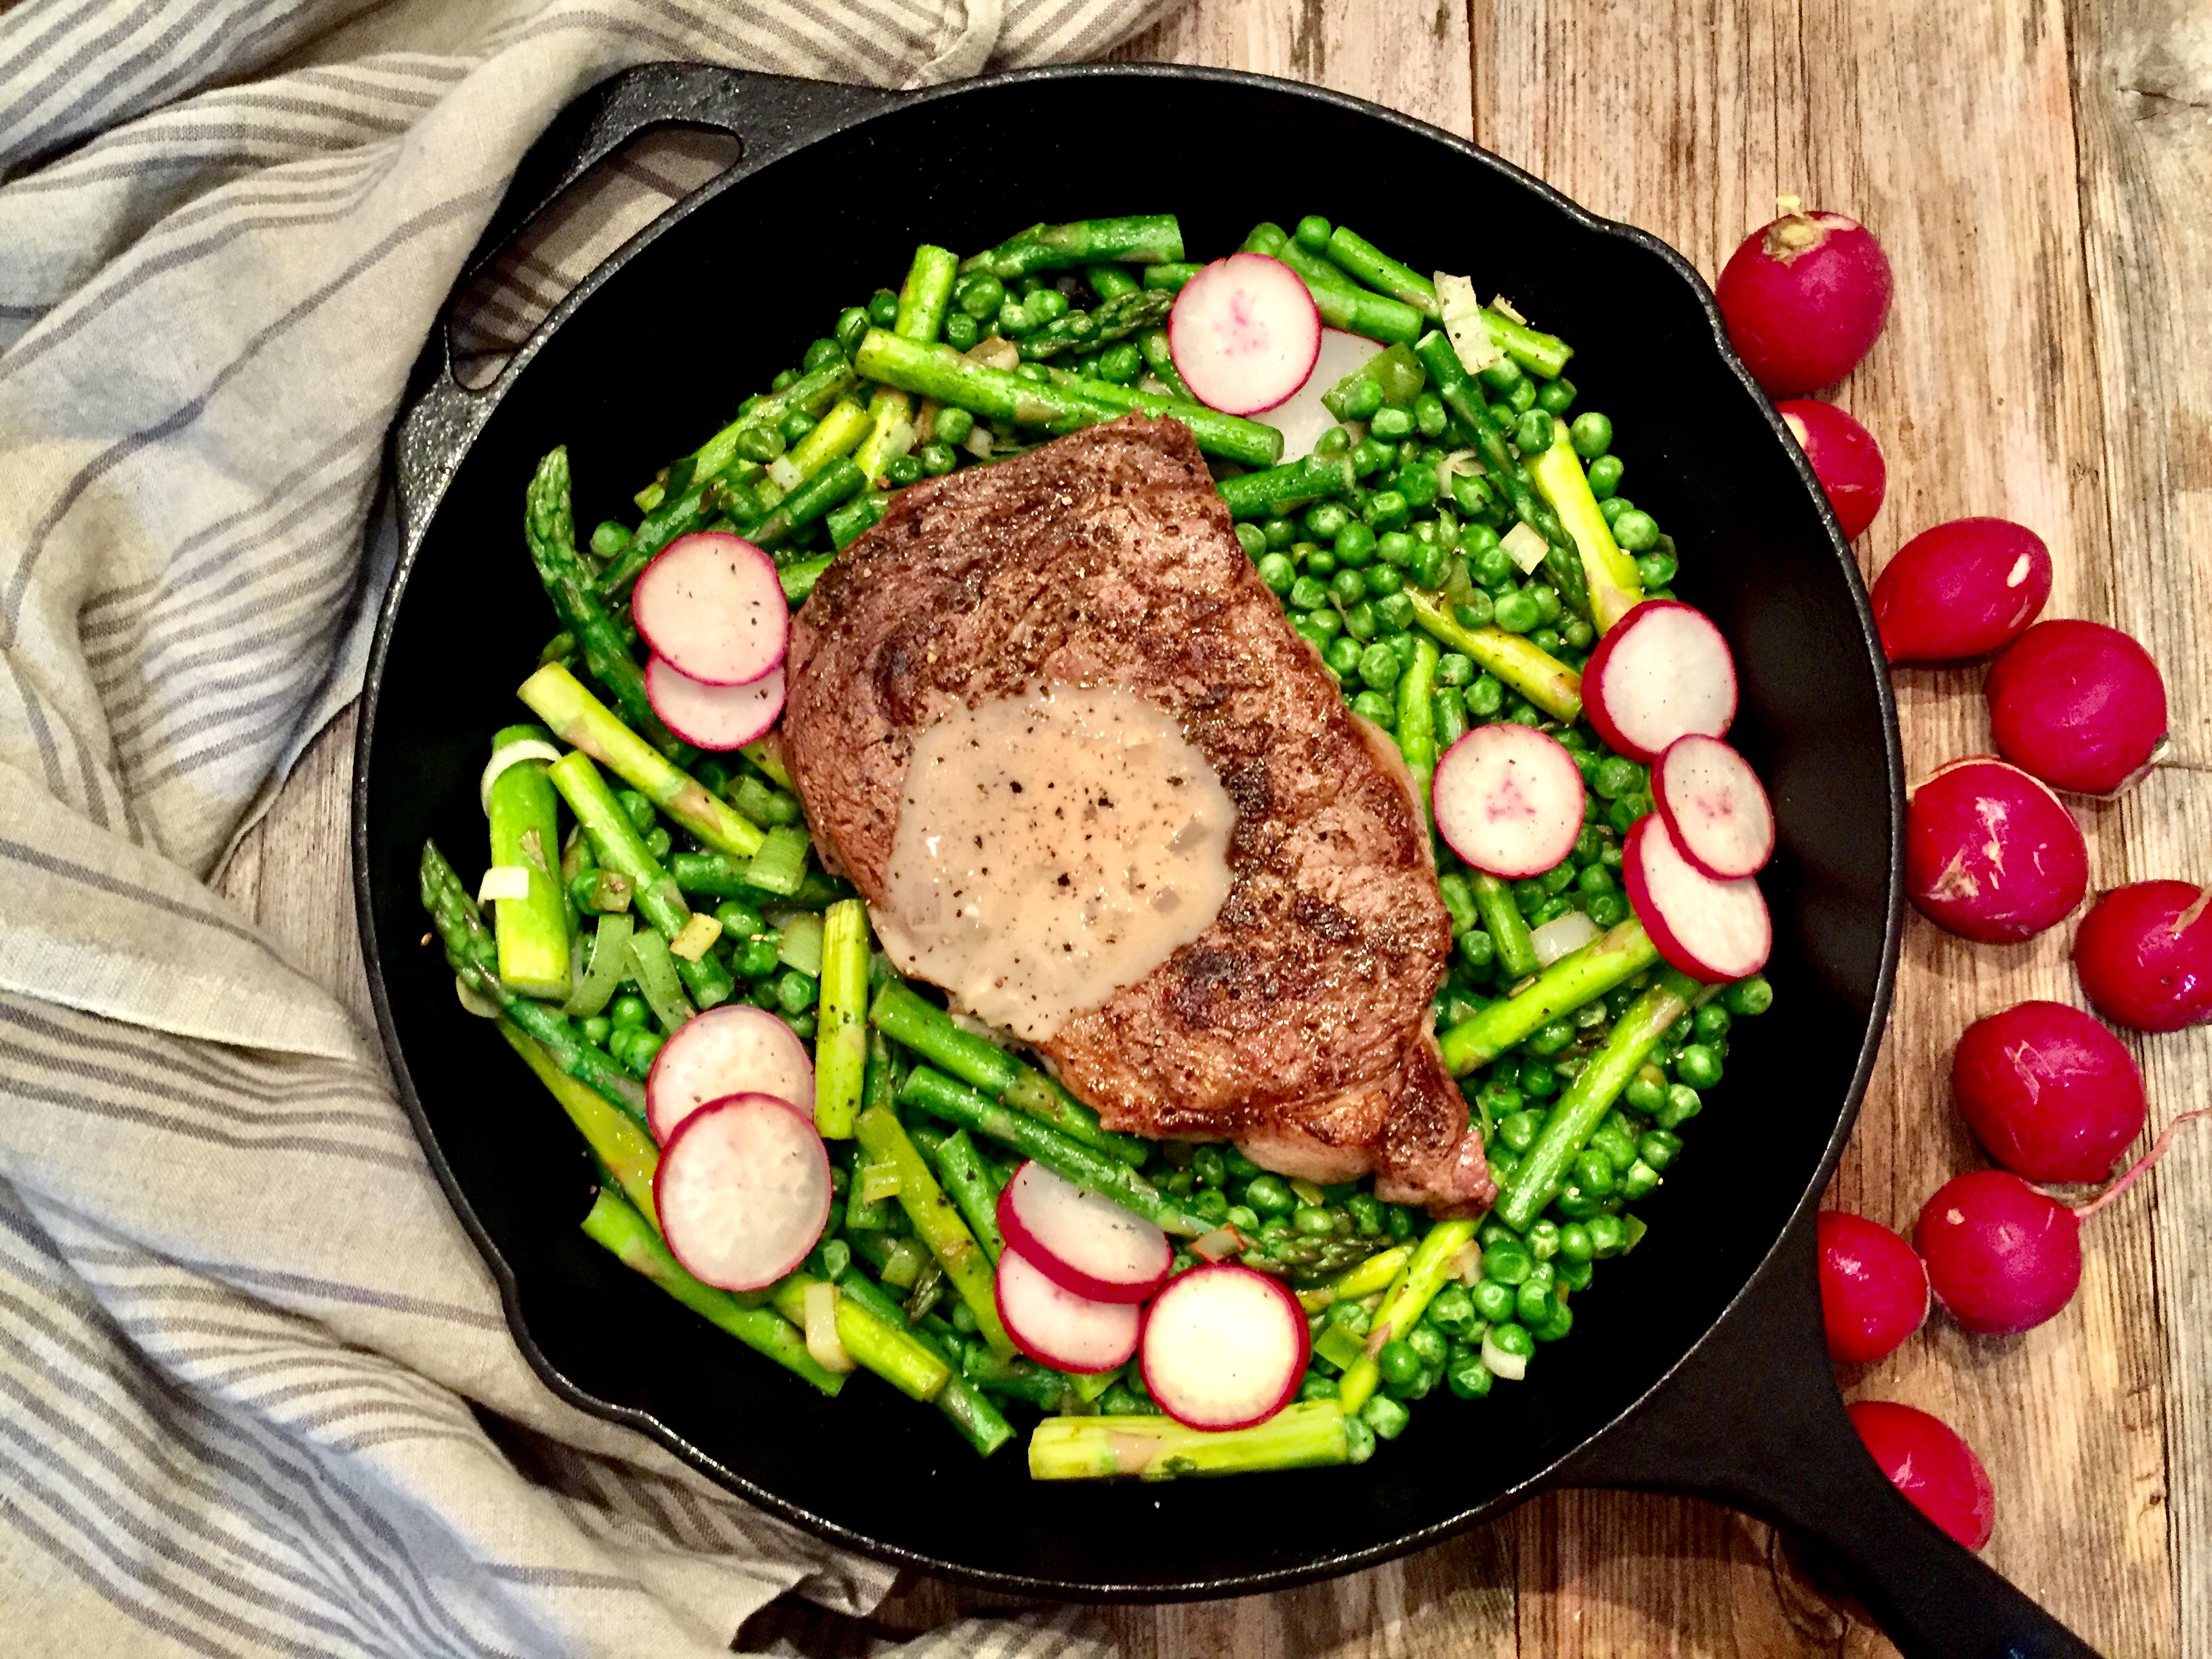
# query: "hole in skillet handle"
635,152
1753,1418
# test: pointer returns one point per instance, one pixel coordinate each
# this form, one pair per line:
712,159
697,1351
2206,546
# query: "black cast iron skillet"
1696,1364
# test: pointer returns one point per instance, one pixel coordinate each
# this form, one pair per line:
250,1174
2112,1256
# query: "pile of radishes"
1992,853
1660,690
1083,1287
710,607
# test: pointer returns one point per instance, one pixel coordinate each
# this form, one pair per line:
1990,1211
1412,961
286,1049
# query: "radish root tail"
2140,1167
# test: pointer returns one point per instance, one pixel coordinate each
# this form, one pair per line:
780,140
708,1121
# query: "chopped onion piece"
996,352
475,1003
695,937
879,1182
507,754
1524,547
1458,462
822,1339
1504,307
786,474
504,881
1466,1264
1562,936
1499,1363
1463,323
1219,1245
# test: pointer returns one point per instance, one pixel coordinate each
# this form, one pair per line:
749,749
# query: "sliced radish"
1058,1328
1662,671
1715,931
1244,333
713,605
1303,418
1225,1347
734,1050
1714,807
1508,799
743,1191
1079,1241
713,716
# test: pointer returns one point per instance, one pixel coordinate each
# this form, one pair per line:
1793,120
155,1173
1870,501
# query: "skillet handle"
770,116
1753,1418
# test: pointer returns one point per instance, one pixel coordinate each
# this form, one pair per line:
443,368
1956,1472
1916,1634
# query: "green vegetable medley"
1452,549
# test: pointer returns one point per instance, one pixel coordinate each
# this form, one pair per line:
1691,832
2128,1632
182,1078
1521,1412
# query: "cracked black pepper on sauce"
1051,848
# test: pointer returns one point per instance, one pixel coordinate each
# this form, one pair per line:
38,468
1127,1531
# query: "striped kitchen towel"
256,1393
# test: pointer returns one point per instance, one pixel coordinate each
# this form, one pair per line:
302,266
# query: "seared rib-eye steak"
1296,1023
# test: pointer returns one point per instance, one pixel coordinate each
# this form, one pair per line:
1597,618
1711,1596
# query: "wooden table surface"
2040,172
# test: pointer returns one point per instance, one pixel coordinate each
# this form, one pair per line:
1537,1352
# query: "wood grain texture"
2037,170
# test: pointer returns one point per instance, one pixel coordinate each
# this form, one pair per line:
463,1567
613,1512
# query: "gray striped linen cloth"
256,1393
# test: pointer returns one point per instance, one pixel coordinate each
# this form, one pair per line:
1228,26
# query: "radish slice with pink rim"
1244,334
713,716
1715,807
1715,931
734,1050
1660,672
1223,1348
743,1192
713,605
1058,1328
1509,799
1081,1242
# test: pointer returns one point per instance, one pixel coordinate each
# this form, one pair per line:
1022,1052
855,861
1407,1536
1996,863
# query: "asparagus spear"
874,1342
1170,274
620,848
1307,1434
840,1043
1111,282
1408,1300
838,482
960,1167
936,1222
1417,717
1342,303
927,292
904,1017
1615,586
1542,355
549,528
1572,981
1536,1179
473,955
1280,489
1153,342
862,1213
1112,320
1528,669
1362,261
939,1095
1145,239
941,373
980,1422
582,721
533,929
623,1232
813,392
1376,1273
717,875
624,1150
1563,560
1507,926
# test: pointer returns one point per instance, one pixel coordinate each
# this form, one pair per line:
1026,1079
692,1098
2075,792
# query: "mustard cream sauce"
1051,848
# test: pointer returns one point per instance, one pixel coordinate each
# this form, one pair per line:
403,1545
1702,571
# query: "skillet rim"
428,398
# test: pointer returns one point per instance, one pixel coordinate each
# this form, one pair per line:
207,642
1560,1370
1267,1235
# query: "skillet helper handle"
770,116
1753,1419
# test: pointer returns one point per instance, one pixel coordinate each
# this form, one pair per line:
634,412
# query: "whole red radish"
2144,954
1990,853
2079,704
1873,1290
1925,1459
1804,298
2048,1091
2002,1257
1844,458
1961,590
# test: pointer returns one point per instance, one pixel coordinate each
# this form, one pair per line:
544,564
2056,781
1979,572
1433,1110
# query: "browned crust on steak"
1107,558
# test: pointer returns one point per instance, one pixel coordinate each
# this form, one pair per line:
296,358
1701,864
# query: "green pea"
1467,1375
1364,400
1312,234
1354,546
1388,509
1485,697
1417,481
1547,602
629,1013
1206,1165
1360,618
1470,493
597,1027
1399,1221
1683,1102
1479,611
820,355
1545,639
1576,1275
1697,1066
1659,1148
980,295
1279,534
1532,433
795,992
1453,1312
1493,1299
1395,547
1556,397
1384,581
583,887
1646,1092
1612,506
1539,1081
1594,1173
1120,363
883,308
738,919
1578,635
1391,424
1502,374
1508,1262
1252,539
1323,625
1270,1195
1309,594
1374,706
1604,471
960,331
936,458
637,808
852,324
1607,1236
1349,587
1313,1221
1379,667
1712,1021
1592,436
1342,655
1453,669
902,469
1431,416
1749,998
757,959
783,379
1318,561
1536,1303
1279,575
1508,1338
1370,456
638,1052
1636,532
1324,519
1519,1130
1521,712
1384,1417
1047,305
1398,1365
1432,568
1429,1343
1655,569
1516,613
1617,777
953,425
